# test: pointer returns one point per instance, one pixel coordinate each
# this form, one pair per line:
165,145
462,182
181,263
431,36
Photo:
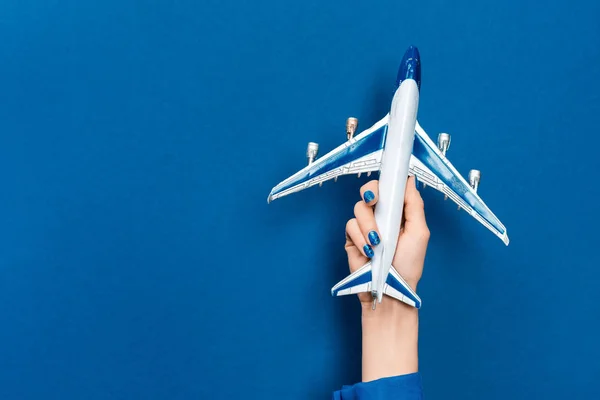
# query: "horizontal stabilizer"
397,288
357,282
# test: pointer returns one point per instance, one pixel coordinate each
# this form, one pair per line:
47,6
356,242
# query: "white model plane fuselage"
392,180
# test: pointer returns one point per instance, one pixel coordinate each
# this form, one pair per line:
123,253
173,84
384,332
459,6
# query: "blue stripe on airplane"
364,278
431,159
367,145
393,282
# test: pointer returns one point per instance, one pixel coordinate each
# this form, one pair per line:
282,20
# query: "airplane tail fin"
360,281
397,288
357,282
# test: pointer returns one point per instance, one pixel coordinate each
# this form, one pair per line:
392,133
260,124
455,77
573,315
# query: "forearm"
390,340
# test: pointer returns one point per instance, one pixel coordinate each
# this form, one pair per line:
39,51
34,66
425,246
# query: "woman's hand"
390,333
362,235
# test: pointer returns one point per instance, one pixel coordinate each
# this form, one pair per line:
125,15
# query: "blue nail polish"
374,238
369,196
368,251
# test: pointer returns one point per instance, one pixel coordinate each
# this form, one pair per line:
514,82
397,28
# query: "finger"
354,233
366,222
369,192
414,210
356,259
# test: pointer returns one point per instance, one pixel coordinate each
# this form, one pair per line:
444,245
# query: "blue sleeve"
403,387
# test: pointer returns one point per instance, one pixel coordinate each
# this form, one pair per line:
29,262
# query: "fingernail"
369,196
368,251
374,238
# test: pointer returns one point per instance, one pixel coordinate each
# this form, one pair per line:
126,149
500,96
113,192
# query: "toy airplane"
396,147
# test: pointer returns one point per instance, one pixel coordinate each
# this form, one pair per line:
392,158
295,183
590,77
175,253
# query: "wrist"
390,339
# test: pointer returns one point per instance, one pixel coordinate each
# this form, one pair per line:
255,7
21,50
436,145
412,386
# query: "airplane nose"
410,67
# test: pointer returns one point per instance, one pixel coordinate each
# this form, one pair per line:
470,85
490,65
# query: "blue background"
139,141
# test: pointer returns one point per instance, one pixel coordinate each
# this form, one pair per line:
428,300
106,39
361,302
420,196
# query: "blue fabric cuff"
405,387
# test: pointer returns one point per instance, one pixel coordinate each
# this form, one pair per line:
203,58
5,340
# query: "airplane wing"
361,153
431,167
